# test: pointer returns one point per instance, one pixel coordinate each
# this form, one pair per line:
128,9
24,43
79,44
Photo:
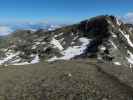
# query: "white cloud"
128,17
5,30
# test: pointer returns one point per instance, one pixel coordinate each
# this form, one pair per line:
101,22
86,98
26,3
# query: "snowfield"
68,53
9,56
73,51
34,61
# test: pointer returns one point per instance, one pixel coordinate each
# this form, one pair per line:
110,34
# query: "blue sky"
61,11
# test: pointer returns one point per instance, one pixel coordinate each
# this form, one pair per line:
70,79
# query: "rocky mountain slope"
104,38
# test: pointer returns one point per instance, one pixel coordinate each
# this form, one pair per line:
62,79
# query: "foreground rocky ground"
66,80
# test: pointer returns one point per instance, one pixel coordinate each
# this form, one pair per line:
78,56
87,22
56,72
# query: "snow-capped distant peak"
9,28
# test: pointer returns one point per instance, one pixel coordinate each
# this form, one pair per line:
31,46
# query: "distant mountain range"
6,29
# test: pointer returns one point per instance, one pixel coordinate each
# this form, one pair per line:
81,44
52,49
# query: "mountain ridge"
104,38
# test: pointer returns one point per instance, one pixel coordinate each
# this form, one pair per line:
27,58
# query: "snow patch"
17,60
34,61
118,21
72,43
113,44
61,40
37,43
53,59
117,63
72,34
130,58
23,63
59,35
84,41
73,51
127,37
63,43
130,30
75,37
9,56
57,44
43,43
34,47
99,57
114,35
102,48
111,23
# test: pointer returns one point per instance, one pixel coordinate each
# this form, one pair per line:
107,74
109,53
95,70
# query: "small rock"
69,74
104,99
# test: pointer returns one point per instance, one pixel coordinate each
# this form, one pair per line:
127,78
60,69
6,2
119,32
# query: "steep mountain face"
104,38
